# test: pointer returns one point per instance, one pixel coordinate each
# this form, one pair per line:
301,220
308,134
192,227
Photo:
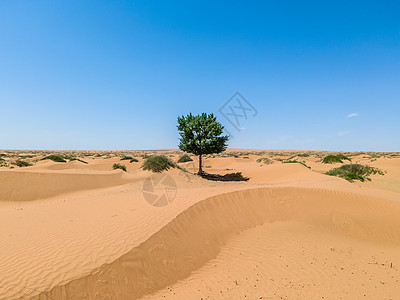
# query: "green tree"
200,135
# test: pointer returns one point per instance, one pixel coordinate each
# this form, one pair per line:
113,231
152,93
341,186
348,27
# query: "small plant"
295,162
133,160
22,163
3,163
118,166
331,159
265,160
127,158
158,163
55,158
353,172
303,155
184,158
77,159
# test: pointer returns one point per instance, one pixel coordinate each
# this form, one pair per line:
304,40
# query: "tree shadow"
227,177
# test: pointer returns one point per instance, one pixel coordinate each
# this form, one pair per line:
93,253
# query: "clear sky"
116,74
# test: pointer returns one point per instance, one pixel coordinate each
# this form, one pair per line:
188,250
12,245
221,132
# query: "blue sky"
116,74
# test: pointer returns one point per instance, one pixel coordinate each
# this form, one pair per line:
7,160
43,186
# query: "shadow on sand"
227,177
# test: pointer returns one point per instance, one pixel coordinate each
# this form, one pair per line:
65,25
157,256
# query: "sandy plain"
81,230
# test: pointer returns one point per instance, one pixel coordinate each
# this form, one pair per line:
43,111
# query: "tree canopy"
201,134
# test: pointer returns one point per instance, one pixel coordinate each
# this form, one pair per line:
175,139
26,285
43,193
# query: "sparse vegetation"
78,159
295,162
119,166
303,155
22,163
352,172
184,158
3,163
133,160
126,158
158,163
55,158
331,159
265,160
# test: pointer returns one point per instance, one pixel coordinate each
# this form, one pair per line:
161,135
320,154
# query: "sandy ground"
81,230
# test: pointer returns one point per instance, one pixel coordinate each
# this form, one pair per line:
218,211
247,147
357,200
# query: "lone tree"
200,135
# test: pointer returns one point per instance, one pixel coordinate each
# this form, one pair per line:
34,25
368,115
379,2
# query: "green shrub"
55,158
352,172
331,159
22,163
295,162
127,158
265,160
3,163
158,163
133,160
78,159
184,158
303,155
118,166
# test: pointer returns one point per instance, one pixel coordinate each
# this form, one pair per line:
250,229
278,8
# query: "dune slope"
34,185
197,236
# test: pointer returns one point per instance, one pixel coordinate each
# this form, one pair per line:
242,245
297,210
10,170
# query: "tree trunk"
200,169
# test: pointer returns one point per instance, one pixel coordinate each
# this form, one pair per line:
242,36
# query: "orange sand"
84,231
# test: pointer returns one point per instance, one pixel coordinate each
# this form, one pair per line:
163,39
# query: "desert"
193,150
80,230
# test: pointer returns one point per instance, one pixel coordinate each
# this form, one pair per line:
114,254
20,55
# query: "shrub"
331,159
3,163
55,158
184,158
265,160
127,158
158,163
21,163
303,155
133,160
78,159
118,166
352,172
295,162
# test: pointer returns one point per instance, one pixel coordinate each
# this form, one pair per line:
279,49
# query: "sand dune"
28,185
198,234
84,231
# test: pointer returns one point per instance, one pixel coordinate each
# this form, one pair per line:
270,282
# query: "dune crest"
197,235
